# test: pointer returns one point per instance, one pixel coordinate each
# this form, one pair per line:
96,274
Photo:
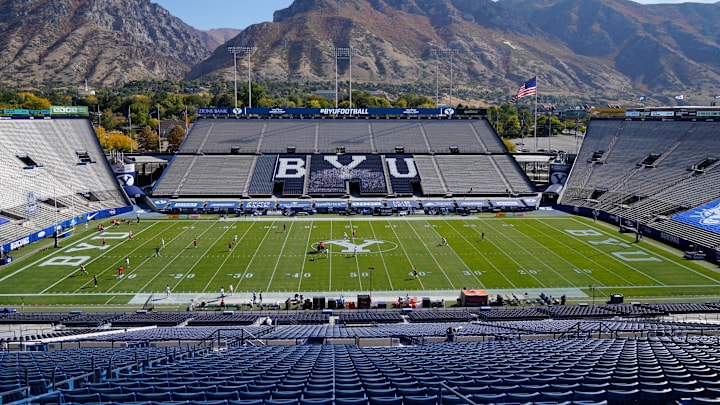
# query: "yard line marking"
112,247
255,255
405,254
158,273
57,252
612,257
679,264
432,256
240,239
522,247
329,256
280,256
382,258
502,234
479,252
357,264
595,263
135,268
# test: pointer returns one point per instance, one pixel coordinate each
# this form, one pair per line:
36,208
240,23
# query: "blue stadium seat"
317,393
623,397
206,402
652,396
188,396
351,401
82,398
117,397
599,395
421,400
412,392
245,402
703,400
156,396
385,400
209,395
489,398
281,394
281,401
556,396
254,394
317,401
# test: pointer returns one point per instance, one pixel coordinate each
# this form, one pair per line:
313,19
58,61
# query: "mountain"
611,49
617,49
106,42
215,37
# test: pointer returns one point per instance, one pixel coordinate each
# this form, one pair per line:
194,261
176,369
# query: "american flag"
528,88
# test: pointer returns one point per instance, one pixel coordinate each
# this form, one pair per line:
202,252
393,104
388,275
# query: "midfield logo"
355,246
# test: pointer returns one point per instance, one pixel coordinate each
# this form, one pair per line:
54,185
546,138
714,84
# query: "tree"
175,138
108,120
114,140
33,102
148,140
543,129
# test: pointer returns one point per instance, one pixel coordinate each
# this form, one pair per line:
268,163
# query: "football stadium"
361,256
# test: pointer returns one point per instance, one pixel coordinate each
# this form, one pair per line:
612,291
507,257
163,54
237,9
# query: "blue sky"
223,13
241,13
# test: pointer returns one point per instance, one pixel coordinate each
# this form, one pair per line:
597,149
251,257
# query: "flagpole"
159,141
130,125
535,126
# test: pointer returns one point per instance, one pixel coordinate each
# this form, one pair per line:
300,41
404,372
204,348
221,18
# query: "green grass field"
518,254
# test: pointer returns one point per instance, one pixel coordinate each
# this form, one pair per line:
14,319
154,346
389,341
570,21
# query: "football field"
280,257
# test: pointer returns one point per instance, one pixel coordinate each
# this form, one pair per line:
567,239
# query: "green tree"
108,120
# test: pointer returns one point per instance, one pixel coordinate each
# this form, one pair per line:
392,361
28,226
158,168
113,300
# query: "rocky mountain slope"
106,42
614,49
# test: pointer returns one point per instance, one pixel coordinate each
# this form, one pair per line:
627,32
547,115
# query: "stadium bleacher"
460,147
599,354
648,171
46,180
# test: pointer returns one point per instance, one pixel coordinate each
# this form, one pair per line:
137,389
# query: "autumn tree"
114,141
148,140
175,138
33,102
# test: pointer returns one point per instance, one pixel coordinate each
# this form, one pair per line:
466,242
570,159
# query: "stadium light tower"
248,50
442,53
451,52
344,53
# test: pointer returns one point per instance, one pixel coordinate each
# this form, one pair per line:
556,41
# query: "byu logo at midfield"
367,245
